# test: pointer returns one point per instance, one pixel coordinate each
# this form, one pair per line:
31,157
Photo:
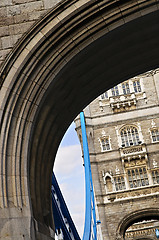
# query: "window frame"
136,179
154,177
115,91
119,185
156,135
138,87
125,88
130,137
104,96
105,138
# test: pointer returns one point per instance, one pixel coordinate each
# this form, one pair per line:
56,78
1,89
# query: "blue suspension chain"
90,230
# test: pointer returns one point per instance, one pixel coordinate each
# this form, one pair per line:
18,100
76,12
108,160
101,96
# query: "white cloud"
75,199
70,175
68,159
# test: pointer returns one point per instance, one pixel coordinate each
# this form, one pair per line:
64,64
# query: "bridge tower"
123,134
55,57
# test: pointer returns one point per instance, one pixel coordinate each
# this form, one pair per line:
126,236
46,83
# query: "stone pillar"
120,89
131,86
16,224
156,80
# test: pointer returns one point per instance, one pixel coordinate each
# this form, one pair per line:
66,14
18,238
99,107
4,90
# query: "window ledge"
133,193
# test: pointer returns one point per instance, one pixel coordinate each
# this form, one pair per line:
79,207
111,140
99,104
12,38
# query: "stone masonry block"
21,18
36,14
5,3
32,6
7,42
3,54
50,3
4,31
13,10
16,38
19,28
6,21
3,12
23,1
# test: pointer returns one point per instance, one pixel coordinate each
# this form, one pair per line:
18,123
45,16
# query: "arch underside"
66,60
135,217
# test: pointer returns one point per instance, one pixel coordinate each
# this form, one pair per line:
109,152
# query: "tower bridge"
56,57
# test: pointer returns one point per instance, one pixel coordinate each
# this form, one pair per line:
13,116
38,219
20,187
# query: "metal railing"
64,226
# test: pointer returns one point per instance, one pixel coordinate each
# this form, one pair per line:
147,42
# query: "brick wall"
16,17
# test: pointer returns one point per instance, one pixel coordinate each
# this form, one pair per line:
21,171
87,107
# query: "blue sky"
70,138
69,172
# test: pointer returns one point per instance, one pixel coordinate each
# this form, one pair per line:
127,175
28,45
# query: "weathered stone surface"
104,121
16,17
56,69
5,3
50,3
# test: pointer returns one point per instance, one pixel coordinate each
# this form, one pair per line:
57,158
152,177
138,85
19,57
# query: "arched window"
155,176
155,135
115,91
119,183
104,95
129,136
105,144
138,177
91,144
125,88
137,86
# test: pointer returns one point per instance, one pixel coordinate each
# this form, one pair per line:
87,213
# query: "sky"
69,172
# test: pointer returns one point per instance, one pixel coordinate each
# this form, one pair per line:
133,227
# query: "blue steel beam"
62,218
90,203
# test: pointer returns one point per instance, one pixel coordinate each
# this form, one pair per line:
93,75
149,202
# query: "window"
104,95
155,176
138,177
137,86
155,135
119,183
105,144
125,88
115,91
129,136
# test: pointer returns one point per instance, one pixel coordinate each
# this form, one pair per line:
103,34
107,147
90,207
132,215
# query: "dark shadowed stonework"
55,59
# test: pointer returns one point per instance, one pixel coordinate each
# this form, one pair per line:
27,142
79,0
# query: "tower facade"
123,135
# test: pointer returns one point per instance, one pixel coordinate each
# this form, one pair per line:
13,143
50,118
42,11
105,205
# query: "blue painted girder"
90,229
62,218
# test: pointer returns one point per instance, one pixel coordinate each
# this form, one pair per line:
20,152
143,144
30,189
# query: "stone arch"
126,125
128,220
109,184
109,181
91,144
129,135
51,74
